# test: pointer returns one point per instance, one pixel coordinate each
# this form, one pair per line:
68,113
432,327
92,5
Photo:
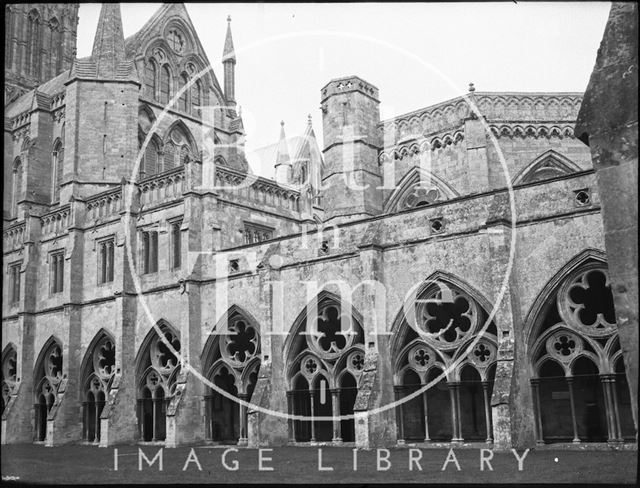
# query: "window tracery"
9,375
232,361
574,359
435,343
325,363
98,376
47,381
158,371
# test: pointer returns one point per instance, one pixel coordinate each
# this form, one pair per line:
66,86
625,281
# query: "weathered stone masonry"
94,192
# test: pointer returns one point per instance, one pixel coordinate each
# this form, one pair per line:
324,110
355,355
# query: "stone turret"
351,177
101,147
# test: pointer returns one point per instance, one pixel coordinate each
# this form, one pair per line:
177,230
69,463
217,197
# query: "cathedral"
437,278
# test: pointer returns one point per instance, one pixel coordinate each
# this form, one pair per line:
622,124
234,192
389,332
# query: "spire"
228,55
283,162
282,156
108,45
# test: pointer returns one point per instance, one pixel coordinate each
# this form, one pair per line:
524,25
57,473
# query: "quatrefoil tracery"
564,346
421,358
355,361
483,354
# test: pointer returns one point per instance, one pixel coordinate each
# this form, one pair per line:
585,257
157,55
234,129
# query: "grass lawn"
88,464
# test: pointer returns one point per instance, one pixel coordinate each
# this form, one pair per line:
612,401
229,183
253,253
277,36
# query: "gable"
171,36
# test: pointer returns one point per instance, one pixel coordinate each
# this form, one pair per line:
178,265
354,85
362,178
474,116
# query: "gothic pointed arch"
549,164
9,374
157,369
180,136
97,372
231,361
573,355
324,358
47,378
442,337
57,169
417,188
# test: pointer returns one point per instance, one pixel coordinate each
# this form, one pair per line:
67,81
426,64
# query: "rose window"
241,344
446,323
175,41
587,303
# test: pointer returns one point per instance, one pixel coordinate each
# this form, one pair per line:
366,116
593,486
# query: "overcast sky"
416,54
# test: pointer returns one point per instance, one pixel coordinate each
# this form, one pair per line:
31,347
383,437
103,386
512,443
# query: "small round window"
175,39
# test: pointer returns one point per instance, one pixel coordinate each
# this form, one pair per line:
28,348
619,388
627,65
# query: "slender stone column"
609,409
96,431
313,422
335,404
574,422
291,422
454,393
155,407
487,410
398,394
614,393
243,440
426,416
535,385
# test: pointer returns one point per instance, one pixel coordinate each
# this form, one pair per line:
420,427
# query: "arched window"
57,168
442,339
47,378
156,376
182,101
325,360
576,361
97,376
16,187
8,36
231,361
33,43
56,46
150,78
165,84
9,375
149,162
196,98
169,156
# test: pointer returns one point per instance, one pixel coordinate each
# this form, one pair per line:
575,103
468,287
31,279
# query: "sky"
416,54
